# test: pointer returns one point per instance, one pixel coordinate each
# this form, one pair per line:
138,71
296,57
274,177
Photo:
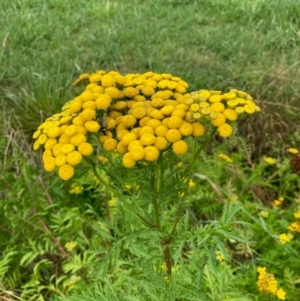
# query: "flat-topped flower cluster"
136,115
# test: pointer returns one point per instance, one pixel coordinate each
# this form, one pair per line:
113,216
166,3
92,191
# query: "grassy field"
252,45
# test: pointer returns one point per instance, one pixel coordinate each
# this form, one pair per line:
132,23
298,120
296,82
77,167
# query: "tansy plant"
143,124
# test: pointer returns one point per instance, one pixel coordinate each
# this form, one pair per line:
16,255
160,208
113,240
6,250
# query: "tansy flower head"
138,115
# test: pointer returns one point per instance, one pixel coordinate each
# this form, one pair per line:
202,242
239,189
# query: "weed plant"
75,240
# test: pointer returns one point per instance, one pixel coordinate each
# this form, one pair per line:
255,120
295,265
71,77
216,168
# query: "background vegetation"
214,44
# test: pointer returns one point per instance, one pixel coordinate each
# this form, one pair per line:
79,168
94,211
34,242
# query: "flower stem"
191,170
107,185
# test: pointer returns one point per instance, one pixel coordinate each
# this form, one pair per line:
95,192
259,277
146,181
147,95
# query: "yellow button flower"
161,143
174,122
217,107
67,148
110,144
107,81
129,120
128,138
180,147
49,164
74,158
230,114
151,153
42,139
78,139
225,130
60,160
92,126
66,172
88,114
198,129
113,92
220,119
70,130
102,102
186,129
53,132
121,148
173,135
85,149
137,153
127,161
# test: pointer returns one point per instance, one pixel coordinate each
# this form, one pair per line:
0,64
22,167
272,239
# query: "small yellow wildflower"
277,203
264,214
281,294
70,245
192,183
269,160
112,202
297,214
180,164
225,157
284,238
102,159
294,227
234,197
76,189
268,284
292,150
219,256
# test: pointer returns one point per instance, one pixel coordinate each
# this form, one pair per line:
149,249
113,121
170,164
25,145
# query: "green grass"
252,45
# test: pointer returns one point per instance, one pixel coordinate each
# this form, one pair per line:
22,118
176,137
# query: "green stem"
146,221
106,185
158,182
191,170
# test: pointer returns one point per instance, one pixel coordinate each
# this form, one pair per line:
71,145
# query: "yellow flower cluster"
219,256
285,238
76,189
268,284
220,108
137,115
277,203
294,226
70,245
297,214
264,213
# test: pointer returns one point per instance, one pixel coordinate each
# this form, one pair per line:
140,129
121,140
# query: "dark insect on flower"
103,125
295,162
